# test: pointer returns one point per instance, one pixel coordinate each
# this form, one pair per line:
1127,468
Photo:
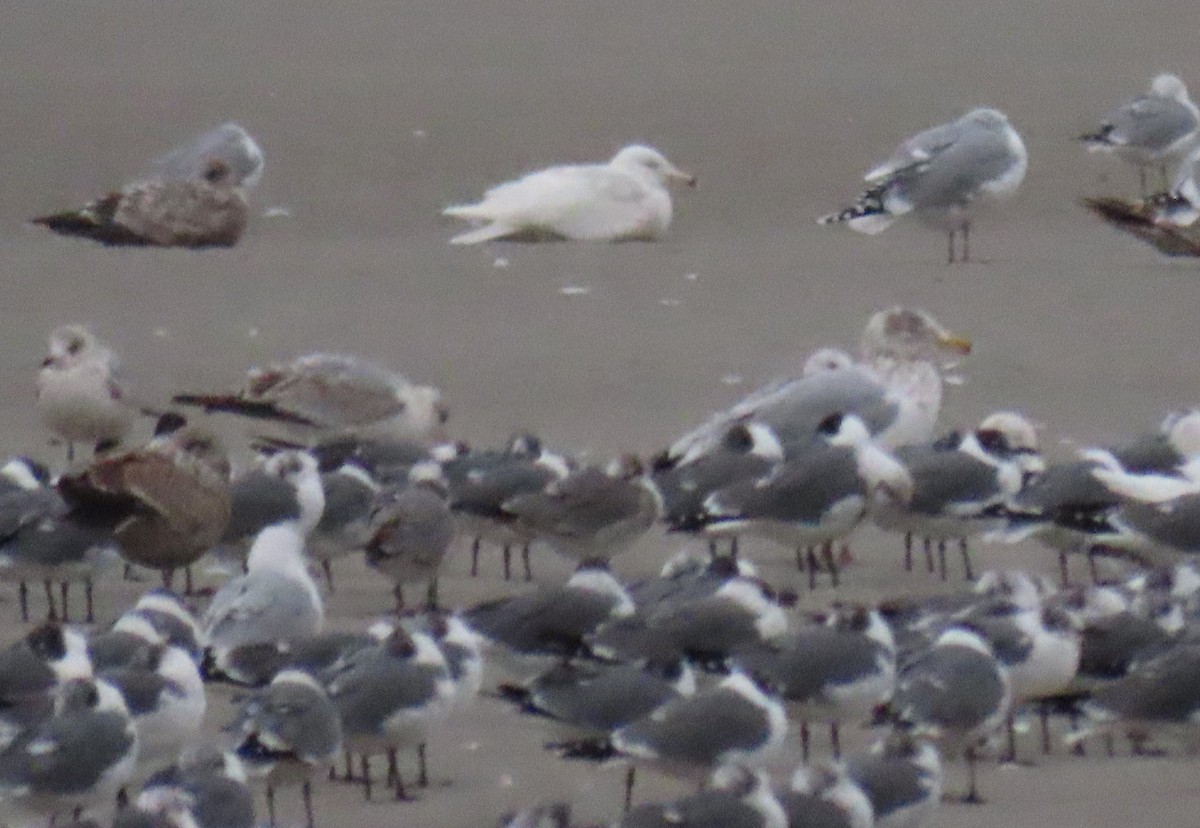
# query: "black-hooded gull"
481,482
289,732
955,693
962,484
943,175
738,797
824,796
902,777
528,632
389,696
836,672
76,758
411,529
592,514
621,200
815,497
211,784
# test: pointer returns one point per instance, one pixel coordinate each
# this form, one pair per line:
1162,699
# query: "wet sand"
374,116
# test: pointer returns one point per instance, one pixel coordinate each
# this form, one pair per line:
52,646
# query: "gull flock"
705,672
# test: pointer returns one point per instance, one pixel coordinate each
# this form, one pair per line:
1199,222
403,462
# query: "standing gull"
80,395
289,733
411,531
625,199
1156,129
943,175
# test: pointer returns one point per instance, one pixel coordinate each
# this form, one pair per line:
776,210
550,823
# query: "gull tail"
1101,139
234,404
95,221
478,235
871,213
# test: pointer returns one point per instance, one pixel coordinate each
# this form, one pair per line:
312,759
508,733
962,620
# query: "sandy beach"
374,116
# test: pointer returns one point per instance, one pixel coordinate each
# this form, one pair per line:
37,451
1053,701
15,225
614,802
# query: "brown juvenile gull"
942,175
80,394
624,199
334,393
210,211
167,502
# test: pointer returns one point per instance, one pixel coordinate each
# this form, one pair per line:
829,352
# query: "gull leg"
62,590
950,248
365,761
908,545
393,767
941,547
835,739
1064,571
799,558
804,741
422,767
630,772
475,557
23,595
398,594
966,243
968,573
88,599
188,588
733,547
1010,754
507,562
270,805
327,568
929,564
306,792
811,557
972,797
827,554
431,594
525,561
1044,715
51,612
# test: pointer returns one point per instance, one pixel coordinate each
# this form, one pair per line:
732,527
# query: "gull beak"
49,361
677,174
953,342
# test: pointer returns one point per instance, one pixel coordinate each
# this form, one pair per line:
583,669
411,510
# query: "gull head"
987,117
910,334
71,345
1167,85
827,360
199,449
640,158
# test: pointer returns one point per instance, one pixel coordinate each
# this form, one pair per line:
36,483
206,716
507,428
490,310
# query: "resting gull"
333,393
896,388
623,200
1155,129
943,175
166,502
